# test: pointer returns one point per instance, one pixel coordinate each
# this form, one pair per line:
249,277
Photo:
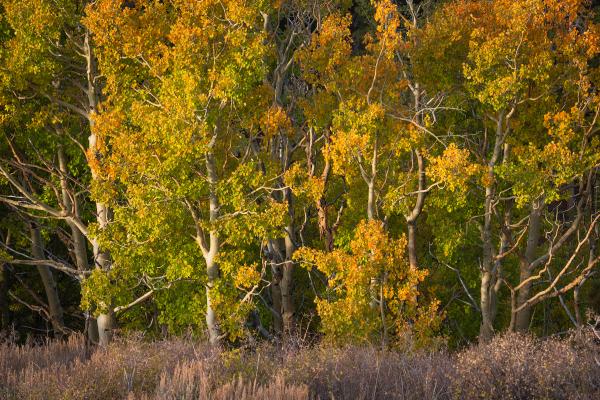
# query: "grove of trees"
370,171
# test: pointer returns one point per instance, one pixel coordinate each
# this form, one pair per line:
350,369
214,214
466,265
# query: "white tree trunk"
212,268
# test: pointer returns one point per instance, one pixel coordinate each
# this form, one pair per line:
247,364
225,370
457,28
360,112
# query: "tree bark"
105,321
212,268
324,228
326,231
282,268
370,181
288,309
276,277
371,201
411,219
505,241
523,317
54,307
486,330
4,287
71,205
79,241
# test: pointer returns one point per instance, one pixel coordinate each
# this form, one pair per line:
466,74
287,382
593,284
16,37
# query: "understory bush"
509,367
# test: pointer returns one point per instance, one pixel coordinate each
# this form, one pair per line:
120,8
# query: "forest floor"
510,367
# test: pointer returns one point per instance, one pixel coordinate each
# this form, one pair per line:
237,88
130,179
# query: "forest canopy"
390,172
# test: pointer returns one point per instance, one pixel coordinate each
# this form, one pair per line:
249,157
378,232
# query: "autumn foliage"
401,174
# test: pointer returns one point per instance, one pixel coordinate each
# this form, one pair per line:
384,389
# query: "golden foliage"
371,289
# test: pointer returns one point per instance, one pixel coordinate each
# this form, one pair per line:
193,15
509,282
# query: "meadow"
511,366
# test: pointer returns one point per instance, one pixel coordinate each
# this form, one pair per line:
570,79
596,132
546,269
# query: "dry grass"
520,367
510,367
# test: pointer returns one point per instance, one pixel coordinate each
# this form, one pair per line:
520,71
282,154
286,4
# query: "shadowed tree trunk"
287,279
54,307
487,299
276,277
4,287
70,203
523,317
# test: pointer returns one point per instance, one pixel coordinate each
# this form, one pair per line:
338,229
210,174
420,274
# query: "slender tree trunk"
282,267
523,317
276,277
371,216
54,307
4,287
411,219
105,321
370,181
212,268
324,228
79,241
288,309
326,231
376,281
287,280
486,329
283,251
505,241
371,201
71,205
282,284
287,299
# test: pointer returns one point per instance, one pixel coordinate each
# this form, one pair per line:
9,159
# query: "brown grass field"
510,367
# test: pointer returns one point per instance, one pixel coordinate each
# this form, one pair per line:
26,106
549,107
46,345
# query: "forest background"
400,173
